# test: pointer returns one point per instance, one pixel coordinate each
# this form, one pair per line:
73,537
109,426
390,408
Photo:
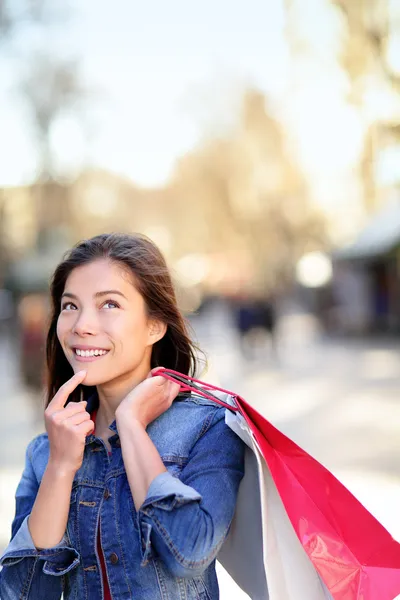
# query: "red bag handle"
190,384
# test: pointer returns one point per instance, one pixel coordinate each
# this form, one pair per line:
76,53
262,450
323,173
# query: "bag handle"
190,384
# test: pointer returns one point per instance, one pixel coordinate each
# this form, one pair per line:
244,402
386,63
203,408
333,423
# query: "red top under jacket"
107,593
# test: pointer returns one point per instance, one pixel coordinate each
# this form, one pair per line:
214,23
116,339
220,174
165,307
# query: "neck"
112,393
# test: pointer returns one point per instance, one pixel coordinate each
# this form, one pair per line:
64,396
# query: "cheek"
59,331
62,329
129,331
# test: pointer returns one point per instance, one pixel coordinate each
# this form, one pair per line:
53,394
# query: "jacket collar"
92,403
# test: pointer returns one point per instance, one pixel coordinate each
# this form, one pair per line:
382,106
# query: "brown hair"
141,257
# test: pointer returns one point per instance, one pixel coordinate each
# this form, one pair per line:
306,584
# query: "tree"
364,59
50,85
245,196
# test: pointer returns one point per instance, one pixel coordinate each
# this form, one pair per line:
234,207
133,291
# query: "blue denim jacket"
166,550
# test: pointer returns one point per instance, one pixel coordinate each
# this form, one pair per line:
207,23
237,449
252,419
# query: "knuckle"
53,417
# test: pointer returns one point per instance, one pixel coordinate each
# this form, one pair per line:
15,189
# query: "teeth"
88,353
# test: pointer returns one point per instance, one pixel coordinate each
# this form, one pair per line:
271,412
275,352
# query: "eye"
110,304
68,306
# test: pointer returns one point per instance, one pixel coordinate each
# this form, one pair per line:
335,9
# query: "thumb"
159,380
173,390
153,372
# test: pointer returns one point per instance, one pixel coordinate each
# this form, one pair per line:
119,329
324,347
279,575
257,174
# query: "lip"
88,358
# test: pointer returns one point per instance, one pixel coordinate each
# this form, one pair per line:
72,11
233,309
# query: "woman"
131,492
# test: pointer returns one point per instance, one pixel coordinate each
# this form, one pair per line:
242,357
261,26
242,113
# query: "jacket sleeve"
26,571
186,520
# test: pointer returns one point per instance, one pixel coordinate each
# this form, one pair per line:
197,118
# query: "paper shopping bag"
262,533
355,556
350,555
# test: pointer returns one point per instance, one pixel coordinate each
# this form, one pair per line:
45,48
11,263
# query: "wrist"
129,421
60,470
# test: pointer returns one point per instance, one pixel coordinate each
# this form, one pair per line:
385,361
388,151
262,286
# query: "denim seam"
207,591
114,473
207,424
17,554
28,582
72,522
96,533
79,550
161,582
56,553
133,512
69,568
88,483
36,554
182,588
200,588
119,541
169,458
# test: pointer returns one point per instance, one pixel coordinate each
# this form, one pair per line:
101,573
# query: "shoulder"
37,452
189,418
39,444
197,408
213,434
202,414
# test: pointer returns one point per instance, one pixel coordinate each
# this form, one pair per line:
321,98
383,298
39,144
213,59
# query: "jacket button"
113,558
106,494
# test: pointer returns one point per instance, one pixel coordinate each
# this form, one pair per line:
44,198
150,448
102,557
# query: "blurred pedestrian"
129,494
254,315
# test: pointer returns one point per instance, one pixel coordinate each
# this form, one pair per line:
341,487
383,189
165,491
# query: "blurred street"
274,134
340,400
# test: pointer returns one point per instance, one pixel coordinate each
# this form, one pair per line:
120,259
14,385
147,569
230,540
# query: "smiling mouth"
97,353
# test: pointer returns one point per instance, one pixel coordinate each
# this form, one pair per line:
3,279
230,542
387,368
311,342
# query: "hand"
148,400
67,427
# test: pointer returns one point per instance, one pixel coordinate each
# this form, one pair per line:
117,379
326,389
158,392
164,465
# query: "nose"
85,323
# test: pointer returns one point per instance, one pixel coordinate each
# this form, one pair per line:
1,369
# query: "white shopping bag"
262,552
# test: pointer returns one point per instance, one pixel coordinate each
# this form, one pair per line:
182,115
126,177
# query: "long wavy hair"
141,257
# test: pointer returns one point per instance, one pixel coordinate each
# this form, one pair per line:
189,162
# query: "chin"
94,380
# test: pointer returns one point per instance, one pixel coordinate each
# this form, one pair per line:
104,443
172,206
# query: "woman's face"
103,325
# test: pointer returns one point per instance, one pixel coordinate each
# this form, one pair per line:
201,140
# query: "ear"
157,330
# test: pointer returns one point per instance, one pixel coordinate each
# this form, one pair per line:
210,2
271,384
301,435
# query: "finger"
76,419
65,390
72,408
86,428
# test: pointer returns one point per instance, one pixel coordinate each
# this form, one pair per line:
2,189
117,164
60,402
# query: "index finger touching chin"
66,389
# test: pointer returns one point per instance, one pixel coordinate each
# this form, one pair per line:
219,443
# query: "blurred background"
258,144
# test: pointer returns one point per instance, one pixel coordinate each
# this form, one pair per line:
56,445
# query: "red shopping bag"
354,555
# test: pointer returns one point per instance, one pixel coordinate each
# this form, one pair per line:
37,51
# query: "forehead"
100,273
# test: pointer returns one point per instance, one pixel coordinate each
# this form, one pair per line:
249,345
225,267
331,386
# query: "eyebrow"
96,295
